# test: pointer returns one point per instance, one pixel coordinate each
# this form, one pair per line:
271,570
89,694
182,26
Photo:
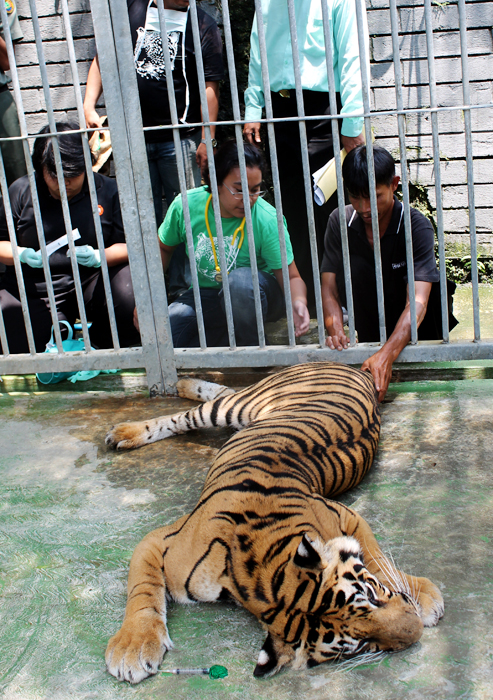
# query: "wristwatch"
213,141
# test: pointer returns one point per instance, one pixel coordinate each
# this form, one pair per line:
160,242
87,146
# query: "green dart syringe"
213,672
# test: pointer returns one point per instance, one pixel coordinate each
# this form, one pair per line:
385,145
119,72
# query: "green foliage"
459,269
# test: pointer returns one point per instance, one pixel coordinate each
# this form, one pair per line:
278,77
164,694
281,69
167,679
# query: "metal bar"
276,355
279,355
470,169
272,140
246,199
17,265
338,163
138,155
404,176
365,79
306,170
60,176
125,358
437,164
31,176
127,139
318,117
424,351
3,337
182,178
212,171
146,239
90,175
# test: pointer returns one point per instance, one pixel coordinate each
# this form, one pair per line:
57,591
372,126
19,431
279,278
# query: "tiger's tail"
127,436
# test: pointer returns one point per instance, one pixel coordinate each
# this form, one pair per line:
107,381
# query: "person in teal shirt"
313,70
172,232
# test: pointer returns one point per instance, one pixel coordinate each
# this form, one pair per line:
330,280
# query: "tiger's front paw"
136,651
125,436
430,602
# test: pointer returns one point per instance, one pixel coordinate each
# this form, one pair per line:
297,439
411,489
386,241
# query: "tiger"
264,532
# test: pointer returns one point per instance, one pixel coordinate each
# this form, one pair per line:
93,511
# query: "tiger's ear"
307,556
273,656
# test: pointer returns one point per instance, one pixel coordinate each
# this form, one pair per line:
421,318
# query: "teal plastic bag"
84,375
69,345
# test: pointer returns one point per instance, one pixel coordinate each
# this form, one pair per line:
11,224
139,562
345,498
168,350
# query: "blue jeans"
183,318
163,171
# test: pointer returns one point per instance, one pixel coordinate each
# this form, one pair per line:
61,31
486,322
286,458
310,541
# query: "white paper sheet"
60,242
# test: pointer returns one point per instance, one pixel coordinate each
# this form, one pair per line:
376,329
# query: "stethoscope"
234,244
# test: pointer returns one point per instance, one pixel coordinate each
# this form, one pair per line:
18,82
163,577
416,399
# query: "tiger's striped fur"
264,532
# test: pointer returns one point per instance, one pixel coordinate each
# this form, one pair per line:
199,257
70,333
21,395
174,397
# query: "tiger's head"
328,606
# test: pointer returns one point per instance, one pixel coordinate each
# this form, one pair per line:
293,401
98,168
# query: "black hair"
226,159
71,151
355,170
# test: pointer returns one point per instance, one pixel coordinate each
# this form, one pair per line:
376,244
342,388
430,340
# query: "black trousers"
320,150
96,310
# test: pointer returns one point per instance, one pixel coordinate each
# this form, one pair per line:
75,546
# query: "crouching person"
86,248
394,268
267,249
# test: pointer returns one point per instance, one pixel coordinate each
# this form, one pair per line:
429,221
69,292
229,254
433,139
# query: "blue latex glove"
84,375
30,257
87,256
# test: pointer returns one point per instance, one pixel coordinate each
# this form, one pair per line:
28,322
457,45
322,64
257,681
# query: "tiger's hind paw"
136,651
126,436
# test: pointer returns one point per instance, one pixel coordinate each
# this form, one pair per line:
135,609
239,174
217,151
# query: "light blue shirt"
313,67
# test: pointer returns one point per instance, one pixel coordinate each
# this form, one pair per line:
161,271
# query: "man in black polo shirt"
394,267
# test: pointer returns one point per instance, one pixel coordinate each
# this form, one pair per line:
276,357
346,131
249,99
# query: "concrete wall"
416,94
56,54
448,75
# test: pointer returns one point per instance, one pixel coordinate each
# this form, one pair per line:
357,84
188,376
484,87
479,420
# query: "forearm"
94,89
298,290
6,255
301,316
166,253
332,309
401,334
116,254
212,93
254,94
380,364
4,59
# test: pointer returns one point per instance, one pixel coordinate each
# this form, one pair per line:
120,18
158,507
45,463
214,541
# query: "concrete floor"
72,512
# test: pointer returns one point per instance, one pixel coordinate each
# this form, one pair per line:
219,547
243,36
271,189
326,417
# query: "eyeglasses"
239,195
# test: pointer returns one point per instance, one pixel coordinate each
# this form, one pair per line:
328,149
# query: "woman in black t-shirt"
87,254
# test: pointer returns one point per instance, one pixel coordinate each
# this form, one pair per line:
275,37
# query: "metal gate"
156,353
